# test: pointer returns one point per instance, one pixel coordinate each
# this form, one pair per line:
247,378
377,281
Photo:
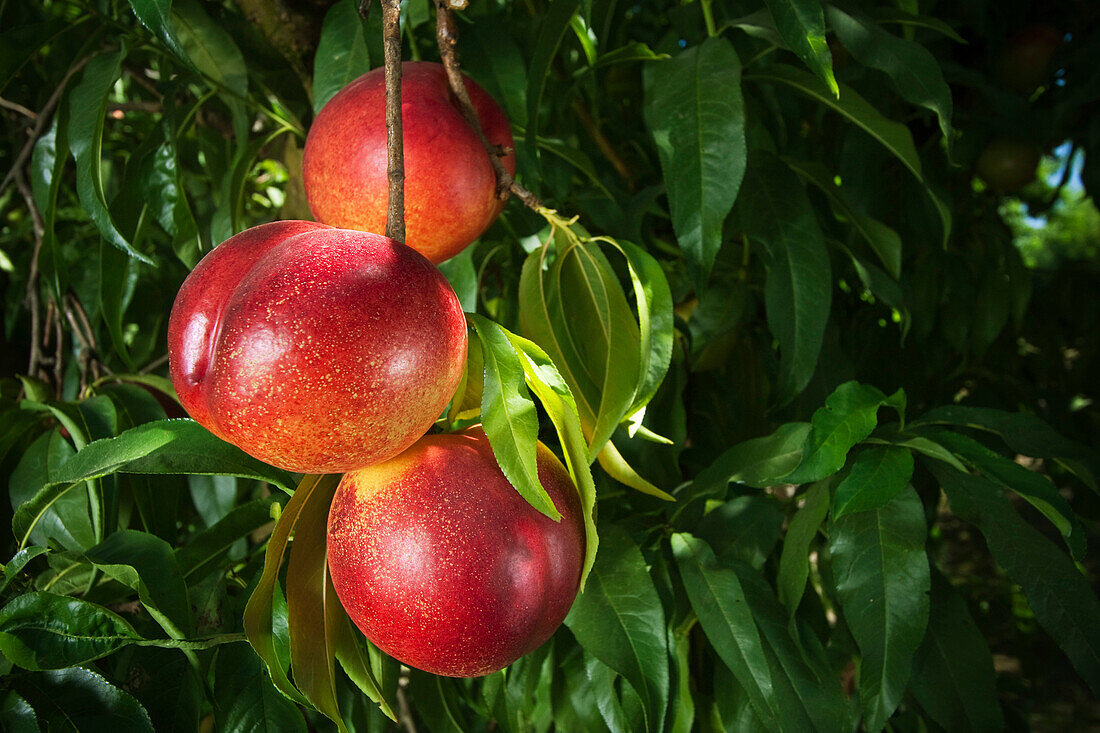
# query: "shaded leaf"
718,600
802,27
46,631
695,112
619,620
1059,595
953,676
882,581
210,46
777,215
794,562
553,24
876,476
156,16
80,699
244,698
88,106
759,462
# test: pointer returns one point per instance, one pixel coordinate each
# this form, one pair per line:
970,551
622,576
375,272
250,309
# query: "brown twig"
44,116
16,107
31,297
446,34
59,353
395,158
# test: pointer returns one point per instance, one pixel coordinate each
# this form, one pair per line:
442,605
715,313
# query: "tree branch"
446,34
395,152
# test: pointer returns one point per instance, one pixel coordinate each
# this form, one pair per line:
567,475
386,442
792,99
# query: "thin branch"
59,354
395,153
31,297
16,107
44,116
446,34
592,127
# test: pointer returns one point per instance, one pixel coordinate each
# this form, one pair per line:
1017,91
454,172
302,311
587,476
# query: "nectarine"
450,186
316,349
444,566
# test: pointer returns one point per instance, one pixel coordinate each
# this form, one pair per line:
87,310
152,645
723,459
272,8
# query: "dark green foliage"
829,399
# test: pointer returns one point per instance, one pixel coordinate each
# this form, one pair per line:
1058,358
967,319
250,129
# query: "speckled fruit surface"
316,349
450,187
444,566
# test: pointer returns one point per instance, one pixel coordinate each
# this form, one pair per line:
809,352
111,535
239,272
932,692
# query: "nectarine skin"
444,566
316,349
450,186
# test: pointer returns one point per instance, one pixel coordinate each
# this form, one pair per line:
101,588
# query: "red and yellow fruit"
444,566
450,186
316,349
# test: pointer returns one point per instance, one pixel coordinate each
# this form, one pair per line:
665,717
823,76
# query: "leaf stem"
708,18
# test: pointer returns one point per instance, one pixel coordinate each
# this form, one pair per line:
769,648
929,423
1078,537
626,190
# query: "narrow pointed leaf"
801,25
47,631
877,475
342,54
619,620
777,215
794,562
696,114
1060,596
719,602
508,415
882,581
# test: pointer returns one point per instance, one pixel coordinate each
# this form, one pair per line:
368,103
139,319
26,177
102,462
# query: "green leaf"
114,271
553,24
759,462
79,699
745,528
210,47
882,582
146,563
546,382
155,15
794,562
900,17
655,320
619,620
1022,432
167,446
1034,487
631,52
314,611
695,112
849,415
342,54
47,631
67,521
613,463
913,69
258,616
953,676
802,27
508,415
1060,596
17,715
51,152
883,240
88,109
894,136
877,475
368,671
719,602
18,562
777,215
201,555
807,689
244,698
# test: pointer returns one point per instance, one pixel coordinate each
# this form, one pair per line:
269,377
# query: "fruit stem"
395,153
446,35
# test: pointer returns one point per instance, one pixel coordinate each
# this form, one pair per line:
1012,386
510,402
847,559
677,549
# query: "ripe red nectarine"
444,566
316,349
450,186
